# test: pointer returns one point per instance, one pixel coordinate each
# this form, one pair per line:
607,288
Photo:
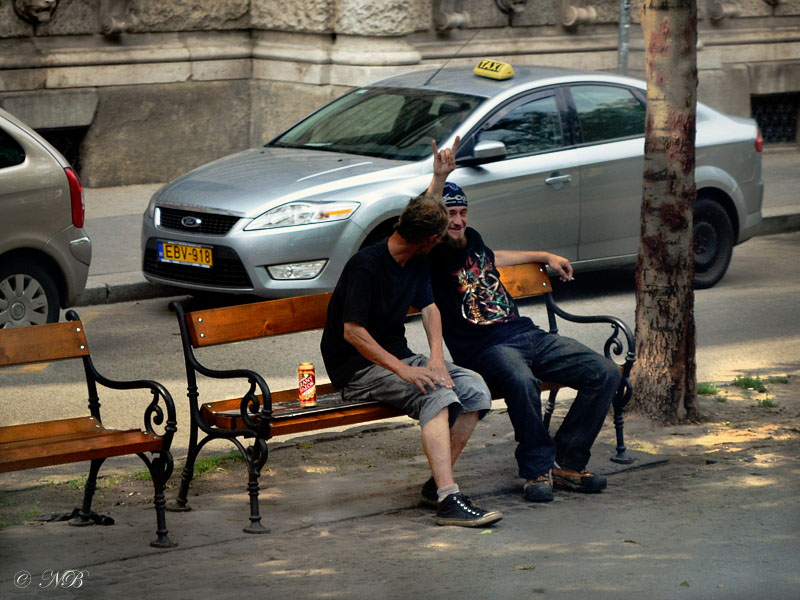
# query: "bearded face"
35,11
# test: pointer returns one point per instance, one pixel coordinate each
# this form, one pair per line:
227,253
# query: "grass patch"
707,389
777,379
305,445
753,383
76,484
767,403
720,399
216,463
142,475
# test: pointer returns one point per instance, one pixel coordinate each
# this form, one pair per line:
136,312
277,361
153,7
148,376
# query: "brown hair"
423,217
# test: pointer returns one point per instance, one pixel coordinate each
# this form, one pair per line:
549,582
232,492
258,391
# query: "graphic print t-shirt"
375,292
476,308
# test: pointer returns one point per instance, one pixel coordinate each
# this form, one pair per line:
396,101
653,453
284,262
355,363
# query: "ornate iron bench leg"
256,457
160,472
619,402
550,408
85,516
180,504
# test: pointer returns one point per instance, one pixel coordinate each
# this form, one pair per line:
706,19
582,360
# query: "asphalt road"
748,323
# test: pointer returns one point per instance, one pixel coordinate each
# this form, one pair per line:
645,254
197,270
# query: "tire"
382,231
28,295
713,242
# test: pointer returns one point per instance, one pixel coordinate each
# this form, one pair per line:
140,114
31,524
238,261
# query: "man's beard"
458,243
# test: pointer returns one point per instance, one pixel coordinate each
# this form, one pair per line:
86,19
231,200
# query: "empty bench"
261,413
47,443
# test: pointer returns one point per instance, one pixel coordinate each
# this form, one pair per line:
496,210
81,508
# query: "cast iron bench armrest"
154,413
612,345
256,401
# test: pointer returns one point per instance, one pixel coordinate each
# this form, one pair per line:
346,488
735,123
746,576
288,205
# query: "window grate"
776,115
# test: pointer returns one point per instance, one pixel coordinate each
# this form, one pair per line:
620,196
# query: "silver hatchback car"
44,251
550,159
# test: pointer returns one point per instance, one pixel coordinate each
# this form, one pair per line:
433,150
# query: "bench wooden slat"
525,280
17,456
15,433
350,416
291,315
259,319
42,343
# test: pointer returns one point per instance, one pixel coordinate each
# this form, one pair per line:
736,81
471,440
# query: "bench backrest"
301,313
42,343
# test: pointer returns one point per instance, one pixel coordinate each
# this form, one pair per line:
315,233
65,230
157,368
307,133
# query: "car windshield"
392,123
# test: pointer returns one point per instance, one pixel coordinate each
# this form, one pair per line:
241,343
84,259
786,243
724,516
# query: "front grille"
776,115
227,272
210,223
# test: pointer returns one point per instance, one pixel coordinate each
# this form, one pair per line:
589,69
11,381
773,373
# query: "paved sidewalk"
114,222
661,530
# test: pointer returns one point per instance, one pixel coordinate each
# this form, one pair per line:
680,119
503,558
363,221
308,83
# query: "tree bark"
664,378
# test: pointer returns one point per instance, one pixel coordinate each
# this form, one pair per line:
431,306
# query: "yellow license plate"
199,256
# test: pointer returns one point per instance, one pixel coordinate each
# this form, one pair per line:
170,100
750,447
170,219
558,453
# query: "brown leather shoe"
579,481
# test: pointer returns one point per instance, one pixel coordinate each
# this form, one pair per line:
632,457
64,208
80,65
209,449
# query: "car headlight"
151,206
301,270
303,213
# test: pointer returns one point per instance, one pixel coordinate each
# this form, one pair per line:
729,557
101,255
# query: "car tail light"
76,197
759,141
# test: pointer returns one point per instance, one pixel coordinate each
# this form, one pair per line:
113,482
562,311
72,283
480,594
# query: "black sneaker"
539,489
579,481
429,496
457,509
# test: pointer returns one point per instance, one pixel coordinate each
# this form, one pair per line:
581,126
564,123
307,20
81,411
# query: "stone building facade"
143,90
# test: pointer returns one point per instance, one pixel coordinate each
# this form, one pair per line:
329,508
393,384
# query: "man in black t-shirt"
367,357
484,332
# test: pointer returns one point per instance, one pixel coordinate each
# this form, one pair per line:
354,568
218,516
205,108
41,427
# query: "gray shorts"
377,383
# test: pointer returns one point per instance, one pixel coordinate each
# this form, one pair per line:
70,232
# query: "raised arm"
444,163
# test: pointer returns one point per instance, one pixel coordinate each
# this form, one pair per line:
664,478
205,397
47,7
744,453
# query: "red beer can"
307,385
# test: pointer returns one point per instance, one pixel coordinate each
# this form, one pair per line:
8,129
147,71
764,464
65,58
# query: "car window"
384,111
606,112
11,153
395,123
531,127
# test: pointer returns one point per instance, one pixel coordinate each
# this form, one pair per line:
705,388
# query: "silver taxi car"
550,159
44,250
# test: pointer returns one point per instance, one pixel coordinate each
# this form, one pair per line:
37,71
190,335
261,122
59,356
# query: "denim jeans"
515,369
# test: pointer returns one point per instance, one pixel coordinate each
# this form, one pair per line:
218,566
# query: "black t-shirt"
476,308
375,292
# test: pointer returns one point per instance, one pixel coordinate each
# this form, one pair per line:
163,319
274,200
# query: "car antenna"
436,72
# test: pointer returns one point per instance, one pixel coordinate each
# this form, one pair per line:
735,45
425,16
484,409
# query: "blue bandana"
454,195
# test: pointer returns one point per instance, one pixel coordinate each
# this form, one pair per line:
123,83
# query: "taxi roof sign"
494,69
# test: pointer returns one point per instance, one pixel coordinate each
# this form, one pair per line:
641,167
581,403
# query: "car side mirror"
487,151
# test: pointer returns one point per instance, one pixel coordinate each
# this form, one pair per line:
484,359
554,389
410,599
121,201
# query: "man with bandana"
485,333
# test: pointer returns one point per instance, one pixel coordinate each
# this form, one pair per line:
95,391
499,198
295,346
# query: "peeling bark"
665,373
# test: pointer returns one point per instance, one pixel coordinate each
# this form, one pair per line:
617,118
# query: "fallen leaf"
485,531
629,542
684,584
525,567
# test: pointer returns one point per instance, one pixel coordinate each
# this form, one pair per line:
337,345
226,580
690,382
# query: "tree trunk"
664,376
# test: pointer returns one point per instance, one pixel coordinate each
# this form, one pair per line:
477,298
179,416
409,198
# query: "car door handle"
556,179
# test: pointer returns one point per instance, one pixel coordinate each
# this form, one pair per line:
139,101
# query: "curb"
125,287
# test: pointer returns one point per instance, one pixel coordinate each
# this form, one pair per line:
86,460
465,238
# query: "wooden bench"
262,413
47,443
